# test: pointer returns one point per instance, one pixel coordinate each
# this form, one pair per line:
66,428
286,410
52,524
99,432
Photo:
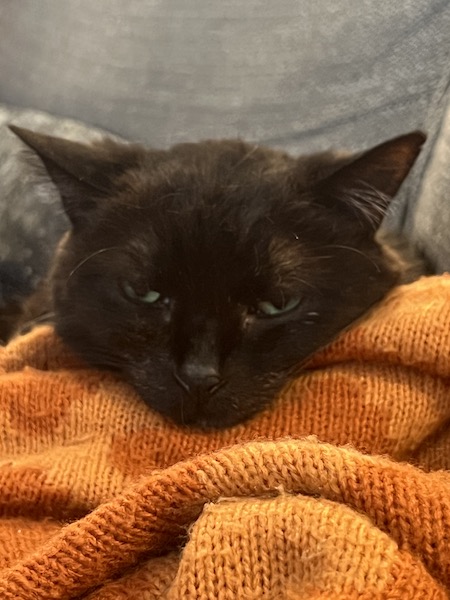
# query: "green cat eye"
270,310
149,297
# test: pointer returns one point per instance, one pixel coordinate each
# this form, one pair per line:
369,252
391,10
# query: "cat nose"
194,377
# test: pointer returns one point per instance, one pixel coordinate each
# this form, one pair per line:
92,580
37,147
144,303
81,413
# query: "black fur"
216,228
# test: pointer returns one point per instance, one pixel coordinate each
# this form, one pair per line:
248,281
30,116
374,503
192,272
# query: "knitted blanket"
341,490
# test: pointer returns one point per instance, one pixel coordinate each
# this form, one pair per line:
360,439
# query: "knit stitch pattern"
340,490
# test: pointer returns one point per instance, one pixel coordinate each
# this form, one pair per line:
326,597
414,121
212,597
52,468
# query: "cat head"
206,274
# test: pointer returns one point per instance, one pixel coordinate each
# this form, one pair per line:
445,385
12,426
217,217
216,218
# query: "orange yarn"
103,499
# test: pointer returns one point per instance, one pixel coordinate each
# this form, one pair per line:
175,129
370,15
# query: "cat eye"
267,309
149,297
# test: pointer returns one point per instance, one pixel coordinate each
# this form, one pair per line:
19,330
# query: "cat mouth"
198,408
221,407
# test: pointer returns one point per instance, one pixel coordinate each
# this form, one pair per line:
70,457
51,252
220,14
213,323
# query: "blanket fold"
101,498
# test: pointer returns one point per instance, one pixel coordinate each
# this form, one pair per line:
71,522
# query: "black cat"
207,274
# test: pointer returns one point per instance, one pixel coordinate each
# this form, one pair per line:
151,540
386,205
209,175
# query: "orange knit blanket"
103,499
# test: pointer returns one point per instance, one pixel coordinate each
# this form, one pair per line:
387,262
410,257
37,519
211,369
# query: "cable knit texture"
340,490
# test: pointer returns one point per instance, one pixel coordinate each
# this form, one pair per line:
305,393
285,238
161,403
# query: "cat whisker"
305,283
103,358
245,157
170,195
87,258
40,319
357,251
27,326
323,257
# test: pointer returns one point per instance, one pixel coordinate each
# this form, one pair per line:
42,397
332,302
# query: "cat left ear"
82,173
367,185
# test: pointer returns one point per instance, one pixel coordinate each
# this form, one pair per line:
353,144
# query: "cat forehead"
211,218
211,164
214,196
228,168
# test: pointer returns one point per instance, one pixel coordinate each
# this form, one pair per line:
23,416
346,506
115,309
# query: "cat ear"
83,174
366,185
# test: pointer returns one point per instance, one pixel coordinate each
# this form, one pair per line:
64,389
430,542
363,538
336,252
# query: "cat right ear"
82,173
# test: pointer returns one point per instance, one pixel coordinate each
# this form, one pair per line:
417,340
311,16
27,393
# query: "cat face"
205,275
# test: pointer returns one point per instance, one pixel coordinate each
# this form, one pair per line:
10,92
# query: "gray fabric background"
296,74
